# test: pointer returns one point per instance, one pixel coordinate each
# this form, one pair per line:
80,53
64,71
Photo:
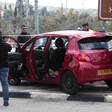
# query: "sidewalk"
96,92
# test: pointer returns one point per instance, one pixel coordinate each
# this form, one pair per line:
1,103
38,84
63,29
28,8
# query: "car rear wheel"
15,81
69,83
109,83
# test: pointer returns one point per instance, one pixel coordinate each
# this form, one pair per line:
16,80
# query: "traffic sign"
105,10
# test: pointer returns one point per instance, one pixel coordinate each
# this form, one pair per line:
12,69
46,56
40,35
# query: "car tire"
109,83
15,81
69,83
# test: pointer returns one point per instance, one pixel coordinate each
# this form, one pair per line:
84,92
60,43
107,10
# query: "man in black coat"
24,36
4,69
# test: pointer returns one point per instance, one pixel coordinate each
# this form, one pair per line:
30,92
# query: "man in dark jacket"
24,36
4,69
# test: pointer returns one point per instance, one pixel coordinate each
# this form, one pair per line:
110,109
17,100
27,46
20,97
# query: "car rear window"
95,43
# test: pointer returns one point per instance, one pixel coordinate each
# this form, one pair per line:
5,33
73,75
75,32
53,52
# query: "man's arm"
6,46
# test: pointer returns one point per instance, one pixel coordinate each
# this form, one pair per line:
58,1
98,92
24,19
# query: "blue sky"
70,3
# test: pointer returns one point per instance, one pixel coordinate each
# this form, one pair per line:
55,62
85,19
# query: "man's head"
23,28
85,26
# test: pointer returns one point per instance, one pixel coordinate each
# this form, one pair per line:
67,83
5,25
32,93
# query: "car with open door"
69,58
14,60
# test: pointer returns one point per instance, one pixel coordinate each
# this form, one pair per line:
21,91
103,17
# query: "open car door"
36,58
14,57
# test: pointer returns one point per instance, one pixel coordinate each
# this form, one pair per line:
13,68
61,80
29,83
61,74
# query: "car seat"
57,57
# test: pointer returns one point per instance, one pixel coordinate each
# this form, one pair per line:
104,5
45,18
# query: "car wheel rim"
68,83
12,81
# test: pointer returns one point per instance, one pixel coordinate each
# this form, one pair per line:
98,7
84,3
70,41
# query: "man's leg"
4,81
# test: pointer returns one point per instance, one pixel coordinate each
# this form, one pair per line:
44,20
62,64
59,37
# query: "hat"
85,23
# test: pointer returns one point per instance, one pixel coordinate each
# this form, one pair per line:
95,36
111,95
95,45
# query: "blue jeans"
4,81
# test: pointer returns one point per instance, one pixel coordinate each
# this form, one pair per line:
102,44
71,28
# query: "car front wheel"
69,83
15,81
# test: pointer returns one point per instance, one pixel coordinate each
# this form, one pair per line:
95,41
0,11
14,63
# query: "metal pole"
0,18
83,6
66,6
27,8
104,26
36,17
21,6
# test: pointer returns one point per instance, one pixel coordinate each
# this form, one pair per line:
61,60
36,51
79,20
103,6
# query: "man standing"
4,69
24,36
85,26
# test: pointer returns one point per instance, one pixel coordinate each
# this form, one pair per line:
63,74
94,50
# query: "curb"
86,98
49,96
108,99
18,94
40,96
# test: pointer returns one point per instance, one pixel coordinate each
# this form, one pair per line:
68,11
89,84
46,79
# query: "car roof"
77,34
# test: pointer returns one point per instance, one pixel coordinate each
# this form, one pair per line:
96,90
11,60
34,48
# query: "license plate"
104,71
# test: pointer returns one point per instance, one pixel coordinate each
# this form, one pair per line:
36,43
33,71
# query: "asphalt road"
95,92
32,105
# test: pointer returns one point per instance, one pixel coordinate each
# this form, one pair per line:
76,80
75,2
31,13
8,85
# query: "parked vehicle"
69,58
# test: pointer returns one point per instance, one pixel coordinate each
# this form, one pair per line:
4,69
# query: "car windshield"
95,43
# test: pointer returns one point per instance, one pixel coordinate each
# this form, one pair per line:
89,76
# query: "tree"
70,12
52,21
8,15
10,7
15,12
0,7
31,10
20,8
44,12
5,7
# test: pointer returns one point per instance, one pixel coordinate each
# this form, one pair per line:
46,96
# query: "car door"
37,60
14,57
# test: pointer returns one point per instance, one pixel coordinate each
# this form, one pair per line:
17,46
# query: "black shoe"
6,103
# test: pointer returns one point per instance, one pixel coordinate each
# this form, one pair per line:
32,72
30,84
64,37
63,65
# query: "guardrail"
15,36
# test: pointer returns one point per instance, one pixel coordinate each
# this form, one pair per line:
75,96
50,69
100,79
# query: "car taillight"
82,57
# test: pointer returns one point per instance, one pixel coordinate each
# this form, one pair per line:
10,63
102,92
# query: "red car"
69,58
